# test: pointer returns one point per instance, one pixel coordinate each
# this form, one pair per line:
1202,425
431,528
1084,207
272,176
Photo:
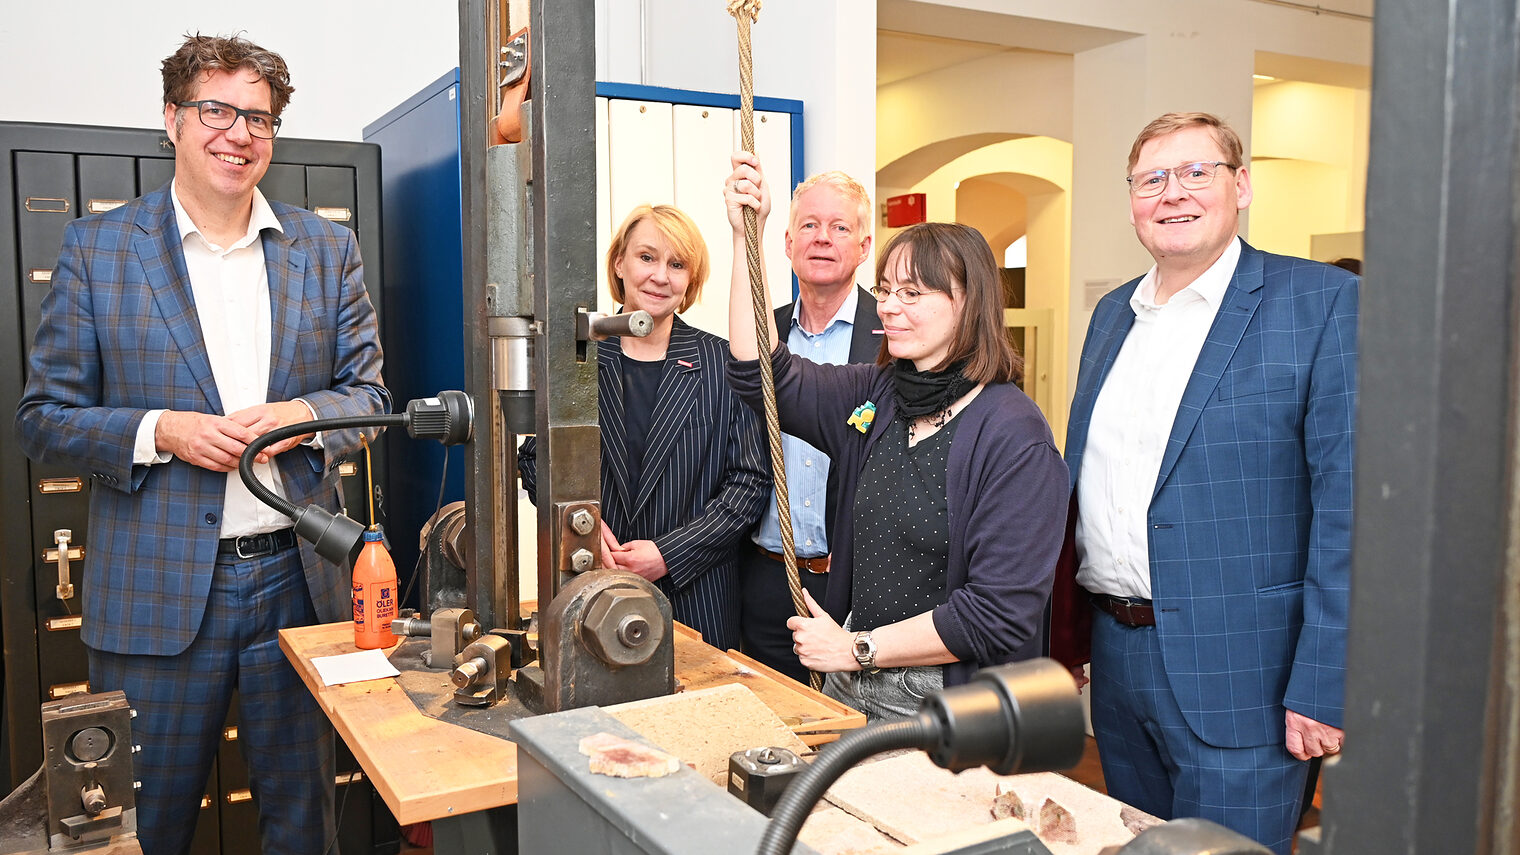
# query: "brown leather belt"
1130,611
818,565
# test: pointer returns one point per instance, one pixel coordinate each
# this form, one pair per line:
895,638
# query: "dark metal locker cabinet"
50,174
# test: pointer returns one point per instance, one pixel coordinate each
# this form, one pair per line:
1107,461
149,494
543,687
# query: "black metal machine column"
563,241
1431,713
490,501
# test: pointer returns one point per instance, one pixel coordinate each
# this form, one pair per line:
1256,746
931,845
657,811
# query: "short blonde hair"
685,241
1171,123
846,187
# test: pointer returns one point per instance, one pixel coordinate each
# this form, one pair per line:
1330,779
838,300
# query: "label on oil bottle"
383,595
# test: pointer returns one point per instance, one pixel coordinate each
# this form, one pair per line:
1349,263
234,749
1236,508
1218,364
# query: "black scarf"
928,393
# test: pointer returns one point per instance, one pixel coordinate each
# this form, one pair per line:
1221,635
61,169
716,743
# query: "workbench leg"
486,832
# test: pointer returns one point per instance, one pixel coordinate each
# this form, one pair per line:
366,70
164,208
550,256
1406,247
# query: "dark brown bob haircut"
941,256
199,55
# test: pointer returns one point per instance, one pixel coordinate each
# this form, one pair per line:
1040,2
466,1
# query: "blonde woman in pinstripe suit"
683,469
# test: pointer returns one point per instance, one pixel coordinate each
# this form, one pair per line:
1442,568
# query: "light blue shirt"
807,468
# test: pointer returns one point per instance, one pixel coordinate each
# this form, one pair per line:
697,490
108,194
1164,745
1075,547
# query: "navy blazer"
119,337
704,483
1250,522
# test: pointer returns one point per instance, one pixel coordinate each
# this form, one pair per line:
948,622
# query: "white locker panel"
688,172
639,165
604,221
703,143
773,144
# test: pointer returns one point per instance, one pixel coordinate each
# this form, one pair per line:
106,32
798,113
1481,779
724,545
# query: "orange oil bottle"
374,594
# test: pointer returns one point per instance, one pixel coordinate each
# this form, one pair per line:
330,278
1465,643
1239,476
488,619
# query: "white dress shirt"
1131,422
231,291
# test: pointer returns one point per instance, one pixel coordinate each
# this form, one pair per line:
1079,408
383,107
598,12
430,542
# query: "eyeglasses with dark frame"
1192,176
219,116
906,296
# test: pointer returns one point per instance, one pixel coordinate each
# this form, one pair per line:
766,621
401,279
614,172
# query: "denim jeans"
890,693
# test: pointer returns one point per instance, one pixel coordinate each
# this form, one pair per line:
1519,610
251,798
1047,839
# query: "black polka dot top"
902,533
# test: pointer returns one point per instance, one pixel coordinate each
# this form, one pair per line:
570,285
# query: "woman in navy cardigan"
683,470
952,500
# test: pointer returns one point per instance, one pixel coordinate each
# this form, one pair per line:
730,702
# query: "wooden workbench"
427,769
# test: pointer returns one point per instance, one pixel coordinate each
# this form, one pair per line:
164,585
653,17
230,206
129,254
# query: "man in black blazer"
834,321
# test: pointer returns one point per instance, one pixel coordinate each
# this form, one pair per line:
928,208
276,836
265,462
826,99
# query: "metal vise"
605,639
451,630
84,794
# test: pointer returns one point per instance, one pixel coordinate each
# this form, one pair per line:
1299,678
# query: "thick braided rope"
744,12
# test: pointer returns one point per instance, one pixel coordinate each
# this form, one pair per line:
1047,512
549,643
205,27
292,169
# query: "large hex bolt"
581,560
622,626
582,521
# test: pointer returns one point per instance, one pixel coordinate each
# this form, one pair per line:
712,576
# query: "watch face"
865,650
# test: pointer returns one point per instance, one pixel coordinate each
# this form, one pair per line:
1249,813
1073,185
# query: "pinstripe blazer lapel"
286,268
609,387
680,392
158,248
1241,299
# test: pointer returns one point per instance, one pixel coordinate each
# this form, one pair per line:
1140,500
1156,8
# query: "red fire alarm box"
905,210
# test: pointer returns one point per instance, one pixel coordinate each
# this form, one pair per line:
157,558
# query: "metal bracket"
580,527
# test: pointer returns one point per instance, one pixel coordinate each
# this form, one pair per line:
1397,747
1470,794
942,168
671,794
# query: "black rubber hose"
920,731
270,497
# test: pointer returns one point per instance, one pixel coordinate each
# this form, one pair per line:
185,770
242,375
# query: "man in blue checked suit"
179,328
1210,446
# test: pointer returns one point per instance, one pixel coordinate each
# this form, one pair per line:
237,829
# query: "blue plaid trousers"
182,701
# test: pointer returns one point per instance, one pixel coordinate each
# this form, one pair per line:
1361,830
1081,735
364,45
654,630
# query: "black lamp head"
1023,717
336,537
448,417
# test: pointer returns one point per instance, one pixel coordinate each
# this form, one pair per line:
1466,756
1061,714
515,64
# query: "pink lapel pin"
686,364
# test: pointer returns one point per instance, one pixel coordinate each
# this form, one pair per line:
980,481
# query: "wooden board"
835,832
704,727
815,717
427,769
926,803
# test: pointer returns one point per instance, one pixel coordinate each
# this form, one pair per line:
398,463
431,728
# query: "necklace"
937,420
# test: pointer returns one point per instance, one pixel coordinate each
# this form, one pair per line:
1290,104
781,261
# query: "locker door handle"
100,206
62,555
47,205
60,485
63,690
336,214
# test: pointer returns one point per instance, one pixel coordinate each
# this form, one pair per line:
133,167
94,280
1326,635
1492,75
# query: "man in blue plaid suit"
179,328
1210,446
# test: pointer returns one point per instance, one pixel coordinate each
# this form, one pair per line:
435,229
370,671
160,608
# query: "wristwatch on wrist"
865,651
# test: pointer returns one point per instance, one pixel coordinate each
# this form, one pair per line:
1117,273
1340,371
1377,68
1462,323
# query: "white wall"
819,52
1130,61
97,62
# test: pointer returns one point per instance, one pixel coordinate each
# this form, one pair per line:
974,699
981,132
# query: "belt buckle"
237,546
